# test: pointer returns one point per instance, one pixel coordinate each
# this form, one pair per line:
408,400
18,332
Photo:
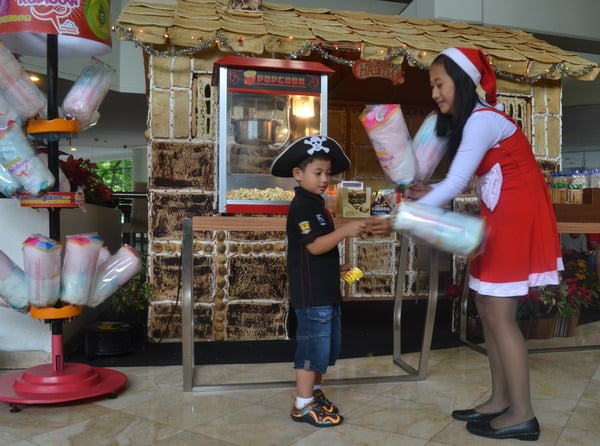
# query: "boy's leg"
305,380
308,359
335,344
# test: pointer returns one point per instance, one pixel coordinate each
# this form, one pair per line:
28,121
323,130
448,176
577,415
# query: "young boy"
314,271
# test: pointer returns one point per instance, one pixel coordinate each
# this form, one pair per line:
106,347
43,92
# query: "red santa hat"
478,68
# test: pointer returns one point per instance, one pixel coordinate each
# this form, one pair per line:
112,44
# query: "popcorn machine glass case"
264,105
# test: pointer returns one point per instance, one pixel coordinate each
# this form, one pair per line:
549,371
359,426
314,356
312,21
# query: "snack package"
17,88
428,148
42,261
113,273
13,287
82,252
446,230
88,91
389,135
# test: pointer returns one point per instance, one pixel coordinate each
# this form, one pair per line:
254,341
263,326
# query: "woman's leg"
508,360
499,398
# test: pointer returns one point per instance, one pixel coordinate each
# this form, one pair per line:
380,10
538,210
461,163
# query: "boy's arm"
327,242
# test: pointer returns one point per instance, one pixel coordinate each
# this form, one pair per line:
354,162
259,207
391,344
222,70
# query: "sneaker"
312,414
326,405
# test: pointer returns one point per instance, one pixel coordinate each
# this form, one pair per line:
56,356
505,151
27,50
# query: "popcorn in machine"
264,105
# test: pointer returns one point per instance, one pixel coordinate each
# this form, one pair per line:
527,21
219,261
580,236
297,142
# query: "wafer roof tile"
284,29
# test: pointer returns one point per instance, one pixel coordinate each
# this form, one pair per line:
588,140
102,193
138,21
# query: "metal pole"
52,93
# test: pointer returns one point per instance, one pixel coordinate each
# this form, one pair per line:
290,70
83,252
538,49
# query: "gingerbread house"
239,277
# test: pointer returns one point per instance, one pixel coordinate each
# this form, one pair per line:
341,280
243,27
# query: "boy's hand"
355,228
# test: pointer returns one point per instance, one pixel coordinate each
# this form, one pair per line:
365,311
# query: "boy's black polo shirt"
313,280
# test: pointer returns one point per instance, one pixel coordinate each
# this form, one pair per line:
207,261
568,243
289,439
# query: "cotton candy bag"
389,135
79,267
22,163
113,273
88,91
13,287
17,88
428,148
42,265
8,117
446,230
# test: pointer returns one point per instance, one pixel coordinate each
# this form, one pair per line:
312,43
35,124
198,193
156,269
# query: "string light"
553,71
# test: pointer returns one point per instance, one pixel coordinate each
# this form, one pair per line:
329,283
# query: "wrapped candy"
446,230
79,267
42,261
88,91
389,135
13,287
113,273
428,147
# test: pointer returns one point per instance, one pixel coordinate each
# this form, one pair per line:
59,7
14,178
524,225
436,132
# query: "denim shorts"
318,337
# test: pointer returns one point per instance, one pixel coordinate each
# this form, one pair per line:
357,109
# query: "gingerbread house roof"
191,26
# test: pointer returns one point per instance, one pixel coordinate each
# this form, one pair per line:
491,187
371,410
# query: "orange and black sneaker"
326,405
313,414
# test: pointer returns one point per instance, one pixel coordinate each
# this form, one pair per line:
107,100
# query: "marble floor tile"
153,410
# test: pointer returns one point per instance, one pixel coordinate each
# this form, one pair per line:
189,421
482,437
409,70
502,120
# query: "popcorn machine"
264,105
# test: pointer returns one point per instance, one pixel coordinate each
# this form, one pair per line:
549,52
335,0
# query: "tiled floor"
154,410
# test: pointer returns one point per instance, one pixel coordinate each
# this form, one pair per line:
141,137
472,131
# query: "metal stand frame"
189,367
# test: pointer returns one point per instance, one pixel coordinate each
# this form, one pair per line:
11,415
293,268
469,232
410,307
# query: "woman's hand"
416,190
379,226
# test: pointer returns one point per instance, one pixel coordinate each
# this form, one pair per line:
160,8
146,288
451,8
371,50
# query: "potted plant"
130,302
124,329
553,310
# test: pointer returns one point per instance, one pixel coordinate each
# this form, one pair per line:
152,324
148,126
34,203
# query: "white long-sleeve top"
482,132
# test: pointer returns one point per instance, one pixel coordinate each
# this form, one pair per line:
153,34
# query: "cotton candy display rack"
87,274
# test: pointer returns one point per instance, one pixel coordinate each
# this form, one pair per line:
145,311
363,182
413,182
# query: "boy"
313,263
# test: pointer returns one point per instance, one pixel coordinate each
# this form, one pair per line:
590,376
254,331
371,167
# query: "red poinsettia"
81,173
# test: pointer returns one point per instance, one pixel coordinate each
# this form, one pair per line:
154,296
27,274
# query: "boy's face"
315,177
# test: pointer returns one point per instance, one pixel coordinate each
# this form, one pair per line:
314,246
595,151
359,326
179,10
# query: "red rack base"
42,385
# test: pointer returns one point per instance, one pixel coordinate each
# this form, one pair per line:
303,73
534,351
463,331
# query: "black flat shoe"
474,416
528,431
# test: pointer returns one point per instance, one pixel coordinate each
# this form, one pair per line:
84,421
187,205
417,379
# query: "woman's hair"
465,98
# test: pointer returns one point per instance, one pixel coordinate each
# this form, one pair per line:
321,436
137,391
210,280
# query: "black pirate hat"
307,146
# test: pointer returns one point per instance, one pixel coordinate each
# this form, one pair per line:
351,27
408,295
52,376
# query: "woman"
522,247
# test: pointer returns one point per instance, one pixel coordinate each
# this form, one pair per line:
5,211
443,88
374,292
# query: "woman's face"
442,88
